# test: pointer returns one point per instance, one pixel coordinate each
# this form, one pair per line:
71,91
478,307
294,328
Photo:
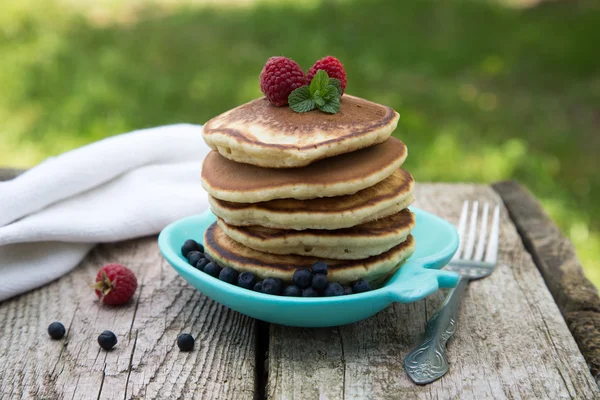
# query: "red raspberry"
115,284
279,77
334,69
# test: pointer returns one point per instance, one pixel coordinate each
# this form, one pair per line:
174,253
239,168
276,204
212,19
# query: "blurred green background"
486,90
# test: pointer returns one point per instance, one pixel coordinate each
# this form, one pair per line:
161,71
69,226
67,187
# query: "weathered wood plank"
576,296
511,340
146,362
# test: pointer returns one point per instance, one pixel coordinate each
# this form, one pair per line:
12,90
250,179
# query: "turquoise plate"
420,276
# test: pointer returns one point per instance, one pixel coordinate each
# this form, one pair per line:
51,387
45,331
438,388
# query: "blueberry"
309,292
319,268
208,257
334,289
246,280
319,282
185,342
361,286
212,269
293,291
56,330
202,263
228,275
258,287
302,278
189,245
107,340
194,257
348,290
272,286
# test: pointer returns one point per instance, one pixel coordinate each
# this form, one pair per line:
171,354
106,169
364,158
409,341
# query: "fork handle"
428,362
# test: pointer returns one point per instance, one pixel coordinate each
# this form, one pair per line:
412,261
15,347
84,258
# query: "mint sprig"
322,93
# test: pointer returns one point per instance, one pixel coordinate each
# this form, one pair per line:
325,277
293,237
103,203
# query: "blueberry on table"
212,269
194,257
348,290
185,342
361,286
319,282
201,264
319,268
302,278
107,340
309,292
292,291
246,280
272,286
334,289
189,245
56,330
258,287
228,275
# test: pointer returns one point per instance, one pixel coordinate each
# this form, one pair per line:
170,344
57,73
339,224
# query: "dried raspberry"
334,69
279,77
115,284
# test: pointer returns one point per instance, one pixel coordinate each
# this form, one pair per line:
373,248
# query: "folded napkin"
122,187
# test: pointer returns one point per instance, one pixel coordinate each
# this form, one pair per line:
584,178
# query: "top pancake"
336,176
262,134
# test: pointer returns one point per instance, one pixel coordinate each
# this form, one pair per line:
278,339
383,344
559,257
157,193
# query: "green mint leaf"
300,100
337,84
319,81
329,92
319,100
331,107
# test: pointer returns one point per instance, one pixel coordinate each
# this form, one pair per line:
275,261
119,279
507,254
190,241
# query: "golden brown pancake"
360,241
388,197
262,134
335,176
230,253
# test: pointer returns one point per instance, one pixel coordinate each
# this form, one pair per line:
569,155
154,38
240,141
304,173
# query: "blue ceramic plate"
420,276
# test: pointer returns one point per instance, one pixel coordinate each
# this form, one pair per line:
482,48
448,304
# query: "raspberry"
334,69
279,77
115,284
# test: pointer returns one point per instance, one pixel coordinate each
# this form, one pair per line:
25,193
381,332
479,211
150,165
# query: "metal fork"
428,361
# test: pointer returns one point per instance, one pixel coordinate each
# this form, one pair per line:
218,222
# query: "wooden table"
512,340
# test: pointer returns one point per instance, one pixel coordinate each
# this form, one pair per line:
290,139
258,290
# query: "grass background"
485,91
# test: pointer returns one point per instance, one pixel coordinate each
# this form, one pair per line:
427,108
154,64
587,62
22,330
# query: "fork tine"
462,226
482,234
491,253
472,228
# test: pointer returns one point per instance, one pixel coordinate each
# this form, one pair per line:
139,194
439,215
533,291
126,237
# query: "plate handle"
402,288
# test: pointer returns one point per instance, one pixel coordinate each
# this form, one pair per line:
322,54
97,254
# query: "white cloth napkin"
122,187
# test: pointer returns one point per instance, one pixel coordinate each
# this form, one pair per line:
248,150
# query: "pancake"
262,134
336,176
228,252
361,241
388,197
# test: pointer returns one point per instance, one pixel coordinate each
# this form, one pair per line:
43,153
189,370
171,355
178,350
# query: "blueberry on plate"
302,278
348,290
194,257
258,287
212,269
201,264
272,286
361,286
185,342
56,330
246,280
228,275
319,282
189,245
292,291
107,340
334,289
319,268
309,292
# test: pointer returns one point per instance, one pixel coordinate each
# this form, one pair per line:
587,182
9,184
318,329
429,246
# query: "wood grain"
511,340
146,362
555,257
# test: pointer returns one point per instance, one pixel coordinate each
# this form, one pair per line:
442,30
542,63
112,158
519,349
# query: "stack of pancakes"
290,189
